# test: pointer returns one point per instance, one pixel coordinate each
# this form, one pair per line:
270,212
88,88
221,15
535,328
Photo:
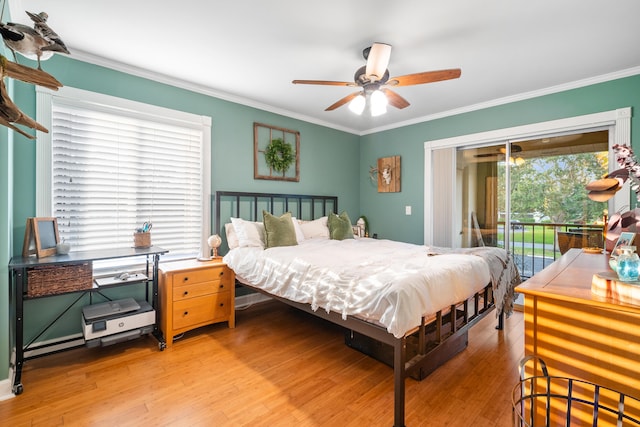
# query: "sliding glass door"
522,195
478,179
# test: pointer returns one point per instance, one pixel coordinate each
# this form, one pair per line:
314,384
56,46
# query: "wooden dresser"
194,294
578,333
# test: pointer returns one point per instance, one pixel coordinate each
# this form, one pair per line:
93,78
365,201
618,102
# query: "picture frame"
41,237
263,136
625,239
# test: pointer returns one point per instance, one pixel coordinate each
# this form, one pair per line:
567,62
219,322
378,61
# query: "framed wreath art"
276,153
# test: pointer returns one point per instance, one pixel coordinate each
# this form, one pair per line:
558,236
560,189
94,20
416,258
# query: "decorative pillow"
296,226
340,227
278,230
249,233
316,229
232,237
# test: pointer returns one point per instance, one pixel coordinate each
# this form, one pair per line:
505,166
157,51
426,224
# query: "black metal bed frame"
416,354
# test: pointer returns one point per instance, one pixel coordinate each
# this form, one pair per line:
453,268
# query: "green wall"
386,211
328,158
328,166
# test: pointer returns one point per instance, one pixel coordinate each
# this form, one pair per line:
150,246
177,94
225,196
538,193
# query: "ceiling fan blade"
377,61
322,82
342,101
424,77
395,99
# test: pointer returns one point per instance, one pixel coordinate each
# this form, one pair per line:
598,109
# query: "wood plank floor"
278,367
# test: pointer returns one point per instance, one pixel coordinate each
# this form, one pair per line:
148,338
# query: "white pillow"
232,237
316,229
249,233
296,227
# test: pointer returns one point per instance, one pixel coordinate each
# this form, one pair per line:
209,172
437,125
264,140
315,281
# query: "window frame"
44,177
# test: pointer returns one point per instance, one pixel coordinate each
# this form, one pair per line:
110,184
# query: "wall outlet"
407,210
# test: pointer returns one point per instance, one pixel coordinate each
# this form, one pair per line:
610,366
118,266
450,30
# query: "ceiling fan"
374,80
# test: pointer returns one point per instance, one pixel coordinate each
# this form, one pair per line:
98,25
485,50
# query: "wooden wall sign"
389,174
40,237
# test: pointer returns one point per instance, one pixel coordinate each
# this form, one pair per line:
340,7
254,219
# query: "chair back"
568,240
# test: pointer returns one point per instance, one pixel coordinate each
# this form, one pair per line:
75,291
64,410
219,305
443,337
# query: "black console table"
19,268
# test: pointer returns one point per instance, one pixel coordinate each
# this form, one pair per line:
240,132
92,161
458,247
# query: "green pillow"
340,227
278,231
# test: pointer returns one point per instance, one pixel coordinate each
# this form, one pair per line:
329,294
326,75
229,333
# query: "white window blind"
113,168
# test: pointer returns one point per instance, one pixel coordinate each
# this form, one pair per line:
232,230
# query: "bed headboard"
249,206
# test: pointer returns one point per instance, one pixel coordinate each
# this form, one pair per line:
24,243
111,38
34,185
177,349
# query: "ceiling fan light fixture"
377,61
378,102
357,104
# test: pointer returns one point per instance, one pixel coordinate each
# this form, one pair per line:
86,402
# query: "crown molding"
208,91
197,88
513,98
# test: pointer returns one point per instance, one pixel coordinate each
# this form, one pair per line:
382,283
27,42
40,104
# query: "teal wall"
332,162
328,158
328,166
386,211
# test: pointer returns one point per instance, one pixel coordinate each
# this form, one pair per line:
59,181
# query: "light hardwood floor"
278,367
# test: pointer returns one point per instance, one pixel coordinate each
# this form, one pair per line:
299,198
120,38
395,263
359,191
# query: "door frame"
617,122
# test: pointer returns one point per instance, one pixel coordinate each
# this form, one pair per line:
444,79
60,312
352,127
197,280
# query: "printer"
116,321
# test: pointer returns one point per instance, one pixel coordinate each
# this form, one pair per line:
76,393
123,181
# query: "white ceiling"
250,51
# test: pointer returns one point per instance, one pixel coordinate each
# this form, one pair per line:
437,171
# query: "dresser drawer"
205,309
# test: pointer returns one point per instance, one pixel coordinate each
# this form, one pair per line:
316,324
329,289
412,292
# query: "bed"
409,306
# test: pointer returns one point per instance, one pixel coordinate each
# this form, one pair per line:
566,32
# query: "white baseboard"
71,341
6,391
244,301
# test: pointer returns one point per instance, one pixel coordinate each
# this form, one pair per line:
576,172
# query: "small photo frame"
40,237
625,239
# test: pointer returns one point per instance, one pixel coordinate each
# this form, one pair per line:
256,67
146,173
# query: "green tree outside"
553,188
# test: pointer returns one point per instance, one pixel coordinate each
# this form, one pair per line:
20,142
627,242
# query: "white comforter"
384,281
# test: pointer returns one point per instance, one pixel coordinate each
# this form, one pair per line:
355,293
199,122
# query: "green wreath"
279,155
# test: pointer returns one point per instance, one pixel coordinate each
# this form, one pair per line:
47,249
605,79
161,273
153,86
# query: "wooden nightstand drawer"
201,275
198,289
203,310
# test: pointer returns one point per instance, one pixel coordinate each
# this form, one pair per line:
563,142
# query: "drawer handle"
221,273
186,278
221,304
221,286
185,293
185,313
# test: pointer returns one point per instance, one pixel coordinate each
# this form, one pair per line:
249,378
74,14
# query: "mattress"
390,283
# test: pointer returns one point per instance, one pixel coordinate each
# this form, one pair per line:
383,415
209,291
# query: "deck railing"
535,245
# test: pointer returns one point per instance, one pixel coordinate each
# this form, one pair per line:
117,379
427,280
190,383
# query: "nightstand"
194,294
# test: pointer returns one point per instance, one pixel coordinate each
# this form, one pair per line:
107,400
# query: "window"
108,165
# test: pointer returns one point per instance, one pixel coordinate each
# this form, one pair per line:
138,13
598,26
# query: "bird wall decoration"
9,111
39,42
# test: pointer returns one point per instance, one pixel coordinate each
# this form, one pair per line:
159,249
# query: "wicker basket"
59,279
142,240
